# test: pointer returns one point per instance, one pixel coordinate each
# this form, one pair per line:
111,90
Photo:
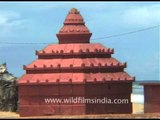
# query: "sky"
39,22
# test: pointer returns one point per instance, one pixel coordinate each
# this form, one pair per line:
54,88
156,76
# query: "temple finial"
74,11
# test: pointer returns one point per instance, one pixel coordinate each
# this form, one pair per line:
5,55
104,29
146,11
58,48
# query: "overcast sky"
38,22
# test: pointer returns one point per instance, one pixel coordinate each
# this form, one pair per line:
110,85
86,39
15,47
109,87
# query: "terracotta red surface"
74,77
74,67
75,62
74,29
77,48
151,97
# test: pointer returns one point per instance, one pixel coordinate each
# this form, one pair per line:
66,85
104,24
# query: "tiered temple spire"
74,29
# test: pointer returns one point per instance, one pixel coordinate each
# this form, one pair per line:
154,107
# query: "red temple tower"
74,68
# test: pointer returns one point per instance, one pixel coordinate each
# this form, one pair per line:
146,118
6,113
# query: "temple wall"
32,98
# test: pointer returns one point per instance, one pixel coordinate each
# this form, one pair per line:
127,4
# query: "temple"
74,68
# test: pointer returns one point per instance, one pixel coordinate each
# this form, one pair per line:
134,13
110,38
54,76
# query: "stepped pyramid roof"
74,59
